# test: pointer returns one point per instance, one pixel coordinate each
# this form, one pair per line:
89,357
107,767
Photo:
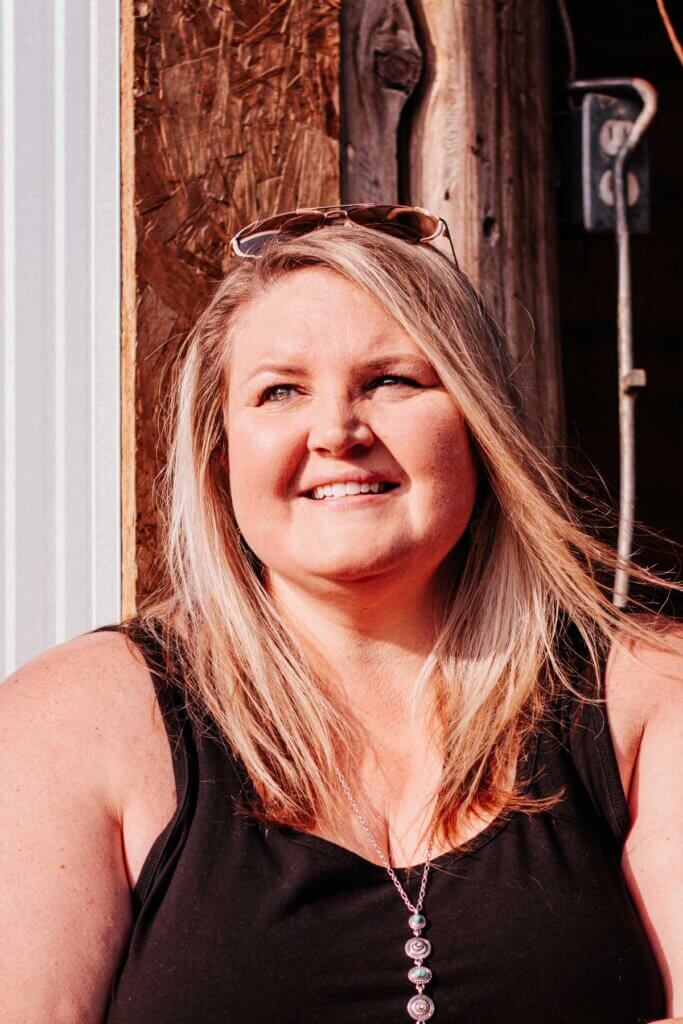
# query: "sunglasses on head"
410,223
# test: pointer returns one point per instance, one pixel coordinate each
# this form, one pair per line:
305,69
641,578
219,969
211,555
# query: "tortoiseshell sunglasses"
411,223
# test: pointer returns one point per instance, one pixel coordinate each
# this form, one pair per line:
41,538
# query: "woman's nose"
337,427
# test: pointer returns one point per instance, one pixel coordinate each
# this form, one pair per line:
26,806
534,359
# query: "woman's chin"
354,569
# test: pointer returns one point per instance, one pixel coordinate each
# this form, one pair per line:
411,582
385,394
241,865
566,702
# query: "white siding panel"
59,296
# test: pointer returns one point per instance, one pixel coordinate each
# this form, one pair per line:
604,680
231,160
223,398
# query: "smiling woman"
389,670
331,420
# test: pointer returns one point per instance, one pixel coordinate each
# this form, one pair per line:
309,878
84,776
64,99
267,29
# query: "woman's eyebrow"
374,365
404,358
274,368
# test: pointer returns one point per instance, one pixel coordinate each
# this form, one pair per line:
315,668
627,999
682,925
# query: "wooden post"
381,65
481,157
232,112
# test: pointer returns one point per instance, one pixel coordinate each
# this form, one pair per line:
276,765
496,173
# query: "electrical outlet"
596,130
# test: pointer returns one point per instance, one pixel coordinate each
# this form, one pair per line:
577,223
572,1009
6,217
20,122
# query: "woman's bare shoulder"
87,710
91,697
646,686
644,673
75,723
85,664
643,679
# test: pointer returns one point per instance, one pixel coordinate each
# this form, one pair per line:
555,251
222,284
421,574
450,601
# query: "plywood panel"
236,114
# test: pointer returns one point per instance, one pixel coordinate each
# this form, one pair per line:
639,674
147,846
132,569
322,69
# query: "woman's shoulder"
90,673
645,673
77,734
645,702
88,705
643,683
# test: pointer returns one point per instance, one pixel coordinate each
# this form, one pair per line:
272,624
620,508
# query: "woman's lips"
349,501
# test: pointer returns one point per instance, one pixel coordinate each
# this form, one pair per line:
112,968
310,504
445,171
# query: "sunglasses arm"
444,230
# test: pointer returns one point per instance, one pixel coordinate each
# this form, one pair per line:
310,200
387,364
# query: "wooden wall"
479,149
232,109
446,104
229,109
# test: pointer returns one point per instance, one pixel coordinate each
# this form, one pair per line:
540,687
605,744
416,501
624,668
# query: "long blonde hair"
530,574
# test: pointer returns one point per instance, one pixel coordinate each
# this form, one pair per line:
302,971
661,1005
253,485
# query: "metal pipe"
630,379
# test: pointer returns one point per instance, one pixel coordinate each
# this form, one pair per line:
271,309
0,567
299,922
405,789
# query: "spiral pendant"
420,1007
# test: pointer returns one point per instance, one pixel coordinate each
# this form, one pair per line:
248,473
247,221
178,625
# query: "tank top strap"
171,701
587,737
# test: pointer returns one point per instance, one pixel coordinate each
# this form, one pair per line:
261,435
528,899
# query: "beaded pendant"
420,1006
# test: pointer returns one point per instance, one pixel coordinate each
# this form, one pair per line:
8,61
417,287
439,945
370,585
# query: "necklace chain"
420,1006
413,908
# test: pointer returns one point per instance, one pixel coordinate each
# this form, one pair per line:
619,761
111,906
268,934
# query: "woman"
384,749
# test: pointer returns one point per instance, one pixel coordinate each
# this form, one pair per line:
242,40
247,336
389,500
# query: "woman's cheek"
452,468
446,445
262,472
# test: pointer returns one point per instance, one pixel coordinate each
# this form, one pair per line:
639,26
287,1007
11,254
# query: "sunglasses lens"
258,236
401,221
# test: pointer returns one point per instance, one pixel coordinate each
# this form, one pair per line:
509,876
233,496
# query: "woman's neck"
370,651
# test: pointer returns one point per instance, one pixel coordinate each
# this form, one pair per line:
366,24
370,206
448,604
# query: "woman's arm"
64,895
653,855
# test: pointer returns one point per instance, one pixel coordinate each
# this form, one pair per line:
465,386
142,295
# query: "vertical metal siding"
59,309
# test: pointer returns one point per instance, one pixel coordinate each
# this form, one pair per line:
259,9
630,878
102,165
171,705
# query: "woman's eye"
279,392
268,393
394,377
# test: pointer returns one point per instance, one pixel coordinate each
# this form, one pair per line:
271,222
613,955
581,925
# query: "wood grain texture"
381,65
481,156
236,115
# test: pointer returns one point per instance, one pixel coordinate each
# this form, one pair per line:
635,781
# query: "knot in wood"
398,69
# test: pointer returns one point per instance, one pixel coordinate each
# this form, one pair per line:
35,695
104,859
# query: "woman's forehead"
306,297
314,313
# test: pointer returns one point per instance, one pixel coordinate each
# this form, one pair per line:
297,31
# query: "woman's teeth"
340,490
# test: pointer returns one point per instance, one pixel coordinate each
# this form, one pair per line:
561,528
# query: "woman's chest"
396,800
253,924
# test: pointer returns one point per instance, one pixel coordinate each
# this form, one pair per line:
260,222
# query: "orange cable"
670,30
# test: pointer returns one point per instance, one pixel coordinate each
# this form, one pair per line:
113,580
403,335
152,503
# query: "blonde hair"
530,575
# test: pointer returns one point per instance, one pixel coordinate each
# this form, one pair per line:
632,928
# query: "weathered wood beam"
481,156
381,65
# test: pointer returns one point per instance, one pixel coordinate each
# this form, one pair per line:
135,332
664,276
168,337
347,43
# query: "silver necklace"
420,1007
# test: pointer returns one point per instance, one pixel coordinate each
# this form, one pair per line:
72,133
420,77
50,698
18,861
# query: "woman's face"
324,387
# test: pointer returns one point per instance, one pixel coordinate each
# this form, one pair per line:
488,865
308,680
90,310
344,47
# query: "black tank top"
240,923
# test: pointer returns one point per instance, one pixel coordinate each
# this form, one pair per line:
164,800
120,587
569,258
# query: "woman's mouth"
350,489
352,496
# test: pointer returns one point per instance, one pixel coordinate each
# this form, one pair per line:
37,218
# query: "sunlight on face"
324,386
